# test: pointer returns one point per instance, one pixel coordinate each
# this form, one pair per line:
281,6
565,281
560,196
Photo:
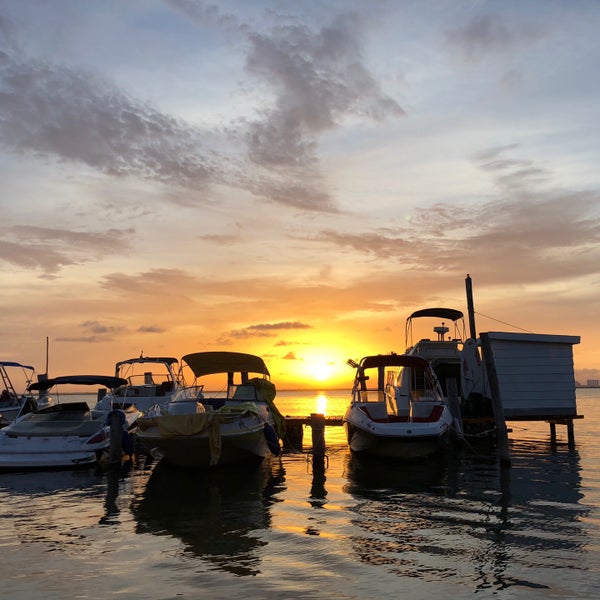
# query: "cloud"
50,249
527,232
291,356
486,34
150,329
166,281
317,78
278,326
96,332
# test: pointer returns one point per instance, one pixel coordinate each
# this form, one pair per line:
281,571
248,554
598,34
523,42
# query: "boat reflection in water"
215,513
469,520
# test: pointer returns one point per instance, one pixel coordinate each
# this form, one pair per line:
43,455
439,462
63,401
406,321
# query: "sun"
322,371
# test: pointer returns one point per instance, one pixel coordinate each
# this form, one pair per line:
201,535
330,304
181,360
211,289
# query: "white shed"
535,373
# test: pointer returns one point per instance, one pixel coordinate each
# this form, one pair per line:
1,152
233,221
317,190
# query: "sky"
294,179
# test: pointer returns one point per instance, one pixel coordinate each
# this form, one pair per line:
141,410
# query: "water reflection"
50,507
216,514
466,518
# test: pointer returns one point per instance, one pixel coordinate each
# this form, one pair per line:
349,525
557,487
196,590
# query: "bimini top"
5,363
148,359
207,363
105,380
440,313
393,360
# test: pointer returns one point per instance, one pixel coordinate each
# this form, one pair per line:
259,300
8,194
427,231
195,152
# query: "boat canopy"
147,359
5,363
393,360
440,313
208,363
105,380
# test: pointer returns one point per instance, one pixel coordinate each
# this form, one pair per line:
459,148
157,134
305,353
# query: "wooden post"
294,432
501,431
470,308
570,434
116,437
454,404
317,423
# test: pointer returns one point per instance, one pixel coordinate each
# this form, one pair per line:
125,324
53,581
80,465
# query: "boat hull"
401,447
209,439
48,452
198,451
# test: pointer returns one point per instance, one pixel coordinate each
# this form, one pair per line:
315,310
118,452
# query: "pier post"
317,424
501,430
116,437
454,404
294,433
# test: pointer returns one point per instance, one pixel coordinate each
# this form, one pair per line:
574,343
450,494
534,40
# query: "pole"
116,437
470,307
317,423
501,430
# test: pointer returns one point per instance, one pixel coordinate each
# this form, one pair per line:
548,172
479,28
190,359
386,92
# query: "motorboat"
150,380
453,355
397,409
63,434
200,428
15,400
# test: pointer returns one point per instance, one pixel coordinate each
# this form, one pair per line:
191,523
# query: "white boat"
397,408
63,434
453,355
150,380
201,429
15,400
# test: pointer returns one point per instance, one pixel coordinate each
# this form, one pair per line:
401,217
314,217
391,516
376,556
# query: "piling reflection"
216,514
465,517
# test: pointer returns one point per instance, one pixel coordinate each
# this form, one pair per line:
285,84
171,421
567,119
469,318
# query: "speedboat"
198,428
397,409
150,380
64,434
15,400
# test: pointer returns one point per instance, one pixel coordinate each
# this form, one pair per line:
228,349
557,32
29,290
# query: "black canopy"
105,380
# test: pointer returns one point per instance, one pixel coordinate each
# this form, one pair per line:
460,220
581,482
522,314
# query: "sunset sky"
293,179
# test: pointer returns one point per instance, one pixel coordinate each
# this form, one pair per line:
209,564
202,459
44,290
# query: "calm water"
290,529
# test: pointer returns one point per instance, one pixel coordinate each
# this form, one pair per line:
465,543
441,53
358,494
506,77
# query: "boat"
197,428
15,400
397,409
63,434
150,380
453,355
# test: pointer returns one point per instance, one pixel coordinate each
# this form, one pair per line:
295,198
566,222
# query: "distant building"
593,383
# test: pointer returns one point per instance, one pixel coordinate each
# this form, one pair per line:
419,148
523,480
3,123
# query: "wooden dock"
294,428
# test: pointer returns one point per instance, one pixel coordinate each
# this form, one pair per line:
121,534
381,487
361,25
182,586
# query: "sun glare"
322,371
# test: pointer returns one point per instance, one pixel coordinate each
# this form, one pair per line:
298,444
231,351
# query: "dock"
294,427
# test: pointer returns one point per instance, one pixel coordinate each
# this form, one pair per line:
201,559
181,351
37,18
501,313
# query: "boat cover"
105,380
5,363
440,313
208,363
393,360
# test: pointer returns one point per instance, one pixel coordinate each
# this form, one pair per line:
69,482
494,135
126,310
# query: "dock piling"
317,424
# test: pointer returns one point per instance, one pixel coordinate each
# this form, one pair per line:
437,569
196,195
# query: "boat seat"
425,410
213,403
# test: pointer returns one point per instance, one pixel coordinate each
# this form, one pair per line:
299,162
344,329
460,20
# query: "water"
290,529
